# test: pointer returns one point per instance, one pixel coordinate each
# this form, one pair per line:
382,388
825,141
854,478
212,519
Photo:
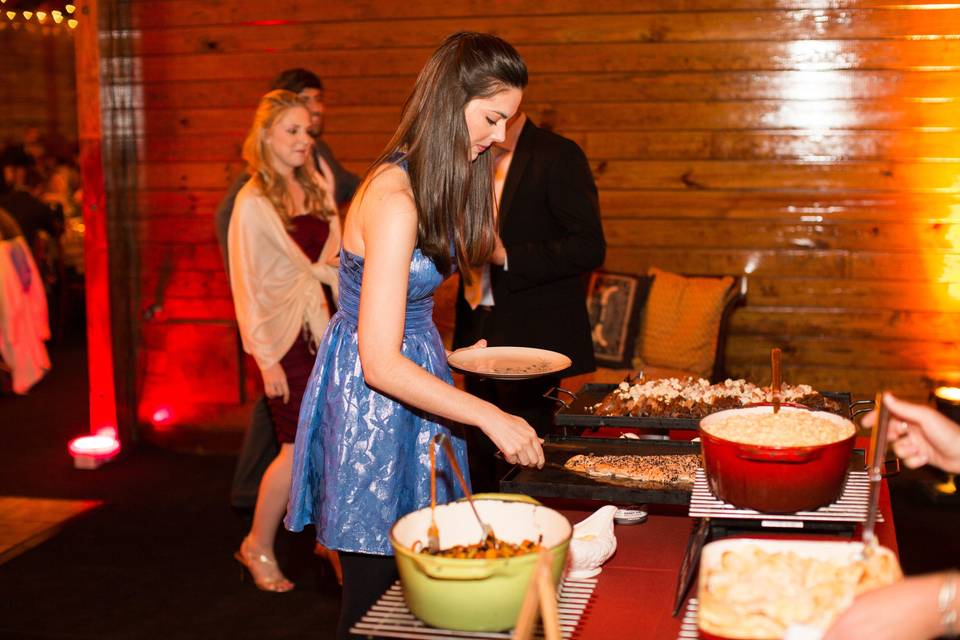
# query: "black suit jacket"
550,226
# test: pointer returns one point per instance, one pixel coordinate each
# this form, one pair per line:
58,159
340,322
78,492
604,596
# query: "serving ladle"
433,533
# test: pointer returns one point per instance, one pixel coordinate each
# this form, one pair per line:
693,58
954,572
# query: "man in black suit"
260,446
533,292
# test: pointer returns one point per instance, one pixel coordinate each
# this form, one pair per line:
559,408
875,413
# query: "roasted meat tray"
575,410
556,481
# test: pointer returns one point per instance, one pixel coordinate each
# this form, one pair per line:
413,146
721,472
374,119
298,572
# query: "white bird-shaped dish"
592,543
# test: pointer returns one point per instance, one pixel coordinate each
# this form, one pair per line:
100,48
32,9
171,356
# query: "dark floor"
156,560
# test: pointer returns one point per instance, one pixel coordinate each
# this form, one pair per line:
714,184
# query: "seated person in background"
918,607
63,191
22,181
9,229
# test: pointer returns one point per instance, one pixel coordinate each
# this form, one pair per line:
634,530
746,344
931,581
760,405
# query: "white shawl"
277,291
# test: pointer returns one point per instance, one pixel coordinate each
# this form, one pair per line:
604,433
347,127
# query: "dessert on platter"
659,469
696,398
759,589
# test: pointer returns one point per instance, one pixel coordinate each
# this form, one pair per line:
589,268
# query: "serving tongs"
878,453
433,533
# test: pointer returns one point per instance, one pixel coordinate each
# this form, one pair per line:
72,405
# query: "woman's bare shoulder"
388,191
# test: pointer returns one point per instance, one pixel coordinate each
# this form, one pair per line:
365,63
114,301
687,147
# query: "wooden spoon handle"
776,382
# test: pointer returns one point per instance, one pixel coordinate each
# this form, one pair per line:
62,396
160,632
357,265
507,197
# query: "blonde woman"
283,240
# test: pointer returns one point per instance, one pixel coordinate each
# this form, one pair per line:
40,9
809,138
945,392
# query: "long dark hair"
454,196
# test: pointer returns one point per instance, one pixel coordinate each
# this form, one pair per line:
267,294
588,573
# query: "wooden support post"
103,403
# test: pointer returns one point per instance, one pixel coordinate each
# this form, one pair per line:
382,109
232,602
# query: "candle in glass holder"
948,401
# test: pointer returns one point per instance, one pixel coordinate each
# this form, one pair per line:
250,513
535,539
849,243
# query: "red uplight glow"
98,446
161,416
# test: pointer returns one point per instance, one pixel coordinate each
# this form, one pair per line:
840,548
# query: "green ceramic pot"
475,595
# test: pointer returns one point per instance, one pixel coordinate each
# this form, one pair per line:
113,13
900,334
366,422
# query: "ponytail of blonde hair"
271,184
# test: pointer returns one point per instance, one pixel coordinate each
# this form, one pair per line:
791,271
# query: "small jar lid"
631,514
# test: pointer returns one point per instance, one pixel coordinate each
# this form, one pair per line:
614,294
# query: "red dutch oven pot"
775,479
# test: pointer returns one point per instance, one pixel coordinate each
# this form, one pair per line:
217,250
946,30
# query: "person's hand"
516,439
499,255
879,614
479,344
275,383
920,434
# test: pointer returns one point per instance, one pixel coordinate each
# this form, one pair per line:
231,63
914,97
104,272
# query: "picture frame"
614,302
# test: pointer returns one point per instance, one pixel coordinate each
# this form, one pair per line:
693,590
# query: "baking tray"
553,481
576,413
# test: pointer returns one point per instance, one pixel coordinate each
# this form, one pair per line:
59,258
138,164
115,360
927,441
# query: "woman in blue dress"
381,387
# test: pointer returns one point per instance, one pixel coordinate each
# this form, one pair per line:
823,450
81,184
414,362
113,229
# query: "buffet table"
635,592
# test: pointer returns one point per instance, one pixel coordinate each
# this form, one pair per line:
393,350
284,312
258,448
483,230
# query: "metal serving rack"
689,626
390,617
849,509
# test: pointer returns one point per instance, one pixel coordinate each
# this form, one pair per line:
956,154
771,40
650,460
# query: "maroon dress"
310,233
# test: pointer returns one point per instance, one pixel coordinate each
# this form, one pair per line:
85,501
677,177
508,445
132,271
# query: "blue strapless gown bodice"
361,459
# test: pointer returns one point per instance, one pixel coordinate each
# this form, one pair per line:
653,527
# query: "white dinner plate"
509,363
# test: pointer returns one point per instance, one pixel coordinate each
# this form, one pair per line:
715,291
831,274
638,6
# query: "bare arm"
388,220
882,613
325,268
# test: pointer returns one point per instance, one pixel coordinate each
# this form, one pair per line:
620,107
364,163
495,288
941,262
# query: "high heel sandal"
262,563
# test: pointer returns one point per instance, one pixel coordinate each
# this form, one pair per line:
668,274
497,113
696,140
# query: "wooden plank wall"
37,85
810,143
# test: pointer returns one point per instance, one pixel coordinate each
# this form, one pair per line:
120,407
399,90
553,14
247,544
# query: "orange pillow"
682,321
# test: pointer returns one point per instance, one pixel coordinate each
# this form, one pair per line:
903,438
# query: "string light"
41,15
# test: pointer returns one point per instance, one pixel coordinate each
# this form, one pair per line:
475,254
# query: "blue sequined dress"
361,459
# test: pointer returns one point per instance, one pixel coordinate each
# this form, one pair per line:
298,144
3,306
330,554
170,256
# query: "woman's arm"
905,610
388,219
325,268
